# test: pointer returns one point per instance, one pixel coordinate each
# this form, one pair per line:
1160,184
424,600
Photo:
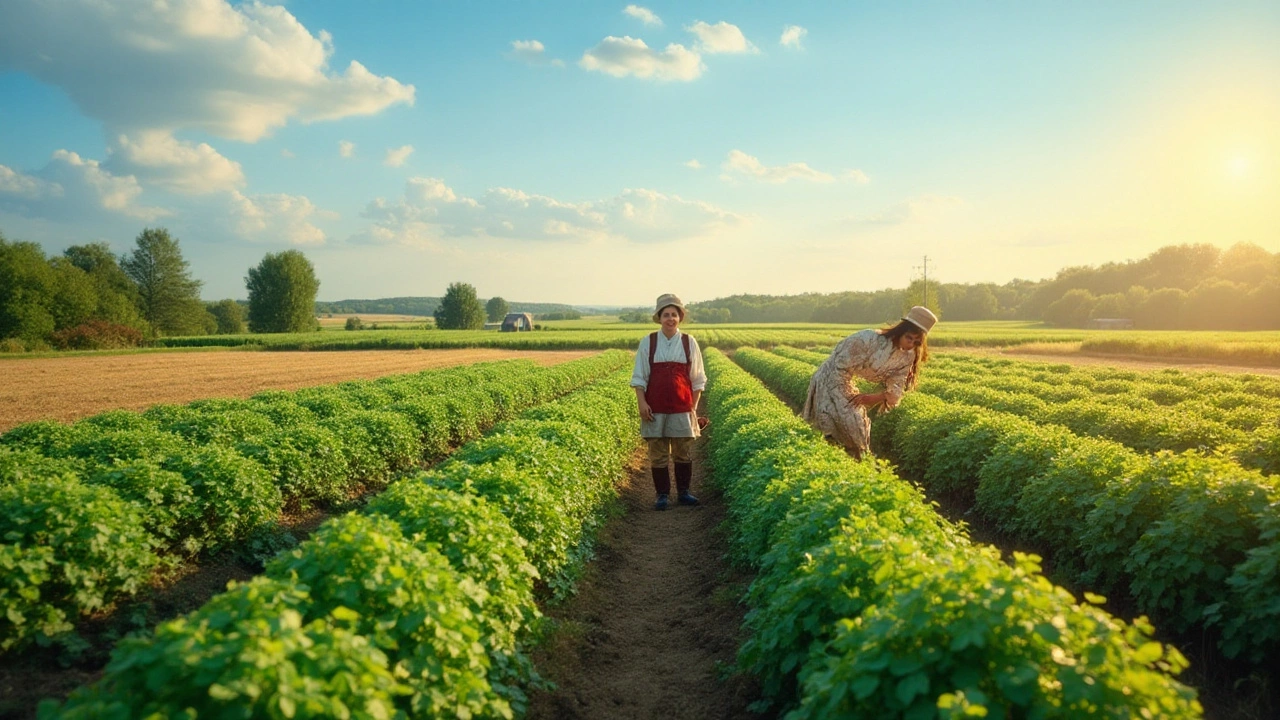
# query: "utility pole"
925,276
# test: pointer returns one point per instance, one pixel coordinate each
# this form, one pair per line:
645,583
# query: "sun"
1238,166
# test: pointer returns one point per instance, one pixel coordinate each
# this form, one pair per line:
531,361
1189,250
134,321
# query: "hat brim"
923,329
657,316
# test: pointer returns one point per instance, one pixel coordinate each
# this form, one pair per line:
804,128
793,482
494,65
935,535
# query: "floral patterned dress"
829,406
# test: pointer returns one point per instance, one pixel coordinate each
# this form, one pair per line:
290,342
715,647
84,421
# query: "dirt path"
654,619
70,388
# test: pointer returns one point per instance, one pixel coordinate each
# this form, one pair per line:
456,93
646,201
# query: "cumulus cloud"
910,210
346,148
694,164
532,52
287,154
232,71
70,187
857,176
623,56
275,218
397,156
740,164
430,212
156,157
722,37
643,14
792,35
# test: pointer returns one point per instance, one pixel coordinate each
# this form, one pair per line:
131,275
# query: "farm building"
517,322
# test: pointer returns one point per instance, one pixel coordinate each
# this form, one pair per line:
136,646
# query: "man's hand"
646,414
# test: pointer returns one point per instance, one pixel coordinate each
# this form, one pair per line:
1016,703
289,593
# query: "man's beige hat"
921,317
665,300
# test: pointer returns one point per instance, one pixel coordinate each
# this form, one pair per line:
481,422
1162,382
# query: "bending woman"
889,356
668,379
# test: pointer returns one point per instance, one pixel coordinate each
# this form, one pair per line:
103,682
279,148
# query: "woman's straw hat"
921,317
665,300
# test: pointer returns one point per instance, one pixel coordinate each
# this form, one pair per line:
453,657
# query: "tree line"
88,298
1192,287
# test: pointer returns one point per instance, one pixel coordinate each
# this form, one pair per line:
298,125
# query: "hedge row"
869,604
88,511
419,607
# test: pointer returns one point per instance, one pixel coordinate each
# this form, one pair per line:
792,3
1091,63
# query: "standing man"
668,380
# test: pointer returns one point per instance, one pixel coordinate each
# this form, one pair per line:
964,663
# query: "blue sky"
602,153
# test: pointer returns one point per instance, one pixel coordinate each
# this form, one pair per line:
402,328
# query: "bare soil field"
70,388
1044,354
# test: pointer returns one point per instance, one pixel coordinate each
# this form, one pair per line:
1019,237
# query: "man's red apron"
669,390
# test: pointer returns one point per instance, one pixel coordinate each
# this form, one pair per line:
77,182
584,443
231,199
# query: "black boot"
684,476
662,485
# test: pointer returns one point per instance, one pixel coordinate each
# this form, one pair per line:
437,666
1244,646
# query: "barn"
517,322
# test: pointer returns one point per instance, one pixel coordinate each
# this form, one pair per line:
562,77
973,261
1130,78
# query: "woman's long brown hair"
922,353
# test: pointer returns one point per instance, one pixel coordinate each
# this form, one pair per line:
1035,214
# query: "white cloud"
397,156
287,154
346,148
738,163
157,157
232,71
431,212
276,218
792,35
722,37
857,176
910,210
623,56
25,187
694,164
532,52
69,188
643,14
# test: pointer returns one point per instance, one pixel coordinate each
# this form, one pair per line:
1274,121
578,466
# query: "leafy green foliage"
282,293
460,309
167,294
97,549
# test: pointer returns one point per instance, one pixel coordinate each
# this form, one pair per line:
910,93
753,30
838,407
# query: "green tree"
282,293
168,297
460,309
229,315
1070,310
496,309
27,288
354,323
117,295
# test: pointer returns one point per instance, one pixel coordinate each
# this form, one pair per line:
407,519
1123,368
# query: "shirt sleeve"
895,387
640,374
697,374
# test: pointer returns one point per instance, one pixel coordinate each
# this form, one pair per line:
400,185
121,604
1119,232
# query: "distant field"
338,321
70,388
1258,349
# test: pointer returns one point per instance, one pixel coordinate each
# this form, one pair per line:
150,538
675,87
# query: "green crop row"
1147,412
88,511
1194,540
419,607
869,604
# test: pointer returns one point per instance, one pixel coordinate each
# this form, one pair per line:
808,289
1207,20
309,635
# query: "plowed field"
69,388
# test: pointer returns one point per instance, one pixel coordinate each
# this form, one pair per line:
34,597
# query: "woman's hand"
869,398
646,413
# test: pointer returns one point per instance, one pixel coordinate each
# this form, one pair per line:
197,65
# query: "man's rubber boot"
684,477
661,485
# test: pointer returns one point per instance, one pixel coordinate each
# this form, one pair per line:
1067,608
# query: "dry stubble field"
69,388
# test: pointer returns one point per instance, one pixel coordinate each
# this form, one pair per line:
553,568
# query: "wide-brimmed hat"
664,300
921,317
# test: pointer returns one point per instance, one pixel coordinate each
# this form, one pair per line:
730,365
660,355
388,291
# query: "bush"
97,335
354,323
